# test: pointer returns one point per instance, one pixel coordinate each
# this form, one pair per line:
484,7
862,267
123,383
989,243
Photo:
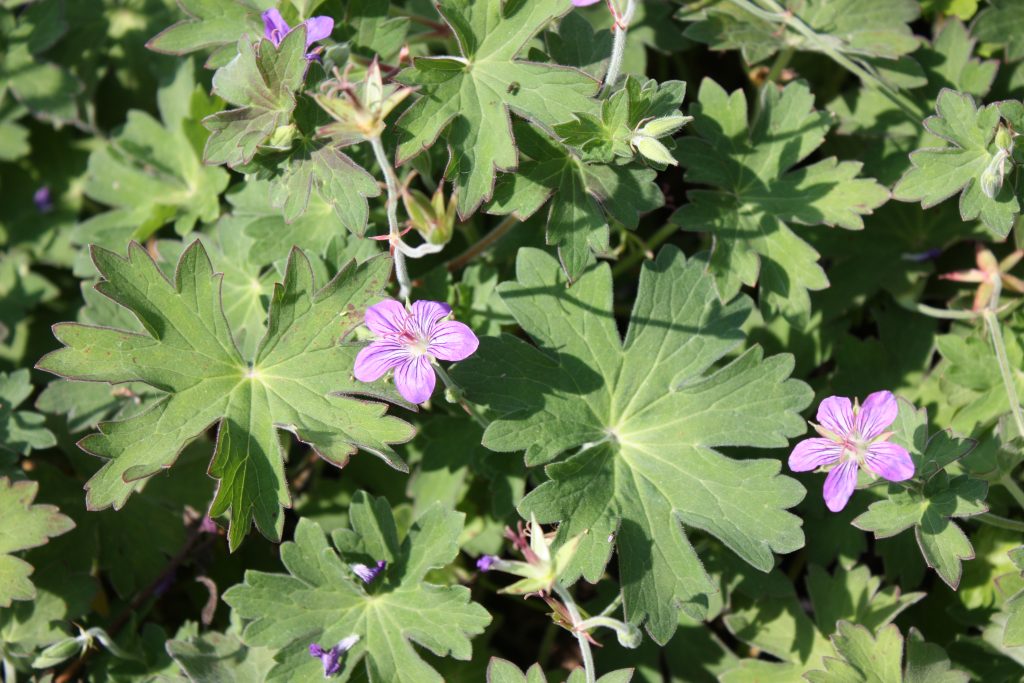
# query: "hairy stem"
394,234
456,390
620,29
581,636
995,331
1010,485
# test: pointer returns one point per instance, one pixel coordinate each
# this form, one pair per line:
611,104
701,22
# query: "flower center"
855,447
416,344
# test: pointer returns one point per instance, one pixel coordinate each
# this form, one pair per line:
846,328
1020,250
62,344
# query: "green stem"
635,257
1005,371
450,384
772,11
999,522
485,243
612,605
934,312
401,271
581,636
1010,485
780,63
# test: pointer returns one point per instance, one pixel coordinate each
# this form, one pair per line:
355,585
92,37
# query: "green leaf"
1002,23
211,24
956,168
930,507
297,382
21,431
582,198
647,415
863,658
759,193
371,31
152,173
859,28
322,601
23,526
470,97
220,657
261,81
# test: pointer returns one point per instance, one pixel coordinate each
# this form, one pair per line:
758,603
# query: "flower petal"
377,358
387,317
425,314
836,415
415,379
452,340
810,454
274,26
318,28
585,3
839,485
889,461
878,412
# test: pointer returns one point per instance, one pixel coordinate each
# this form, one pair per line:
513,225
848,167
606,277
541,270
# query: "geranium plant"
511,340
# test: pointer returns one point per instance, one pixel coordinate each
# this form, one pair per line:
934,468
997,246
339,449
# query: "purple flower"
43,200
485,562
275,28
331,658
853,438
585,3
369,574
408,341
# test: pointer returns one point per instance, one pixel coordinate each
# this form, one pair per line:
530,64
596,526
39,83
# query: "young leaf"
958,167
261,81
322,601
471,96
582,196
24,526
931,507
21,431
297,381
759,193
647,419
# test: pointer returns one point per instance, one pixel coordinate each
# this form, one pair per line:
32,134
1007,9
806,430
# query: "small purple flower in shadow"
275,28
853,437
485,562
369,574
331,658
43,199
407,341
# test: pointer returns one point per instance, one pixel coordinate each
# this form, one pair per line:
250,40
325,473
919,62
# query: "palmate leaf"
321,600
470,97
21,431
261,81
930,507
956,168
504,671
647,414
23,526
297,381
580,196
151,172
1002,23
860,28
864,658
759,193
768,613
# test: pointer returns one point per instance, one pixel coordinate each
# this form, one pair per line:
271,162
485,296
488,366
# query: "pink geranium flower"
408,341
585,3
853,437
275,28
